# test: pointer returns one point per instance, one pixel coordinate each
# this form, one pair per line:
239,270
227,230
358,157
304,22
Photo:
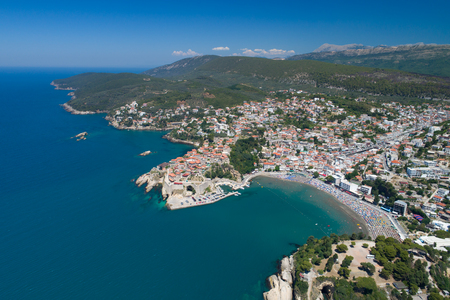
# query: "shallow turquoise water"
73,225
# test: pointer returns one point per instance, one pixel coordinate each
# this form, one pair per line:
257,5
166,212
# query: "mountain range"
330,47
429,59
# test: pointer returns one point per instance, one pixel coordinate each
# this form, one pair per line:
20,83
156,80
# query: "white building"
348,186
366,189
432,240
441,225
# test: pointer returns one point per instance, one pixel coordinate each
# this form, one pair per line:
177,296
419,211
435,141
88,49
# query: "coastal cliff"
281,283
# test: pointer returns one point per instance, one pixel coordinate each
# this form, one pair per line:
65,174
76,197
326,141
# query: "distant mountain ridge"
330,47
422,58
180,67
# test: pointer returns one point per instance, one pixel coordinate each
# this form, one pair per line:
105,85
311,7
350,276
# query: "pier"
178,202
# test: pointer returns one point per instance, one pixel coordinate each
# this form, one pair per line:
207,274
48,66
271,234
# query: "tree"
316,260
302,286
401,270
347,261
387,270
329,178
366,284
316,174
365,245
341,248
344,272
329,264
304,266
390,252
211,137
334,238
368,267
435,296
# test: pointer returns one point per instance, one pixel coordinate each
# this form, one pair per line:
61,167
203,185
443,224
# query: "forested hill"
423,59
228,81
332,76
180,67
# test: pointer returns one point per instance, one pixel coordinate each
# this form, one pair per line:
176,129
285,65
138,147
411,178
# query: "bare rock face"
145,153
280,289
330,47
148,179
80,136
287,269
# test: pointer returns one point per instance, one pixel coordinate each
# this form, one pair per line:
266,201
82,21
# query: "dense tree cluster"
360,288
243,156
389,253
396,261
380,187
219,171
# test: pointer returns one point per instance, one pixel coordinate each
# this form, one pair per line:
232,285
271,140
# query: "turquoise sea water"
74,226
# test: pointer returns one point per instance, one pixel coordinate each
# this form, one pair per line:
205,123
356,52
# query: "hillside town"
390,155
387,162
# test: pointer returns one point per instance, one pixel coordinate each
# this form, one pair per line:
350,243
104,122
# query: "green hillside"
180,67
423,59
333,76
227,81
102,91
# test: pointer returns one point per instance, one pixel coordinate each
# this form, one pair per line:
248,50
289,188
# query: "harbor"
178,202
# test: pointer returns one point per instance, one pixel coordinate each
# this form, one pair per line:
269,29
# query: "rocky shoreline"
116,125
281,283
73,111
174,140
57,87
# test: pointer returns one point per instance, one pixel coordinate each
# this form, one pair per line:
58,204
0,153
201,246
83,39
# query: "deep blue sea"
74,226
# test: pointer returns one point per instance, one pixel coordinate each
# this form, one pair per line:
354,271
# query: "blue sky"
149,34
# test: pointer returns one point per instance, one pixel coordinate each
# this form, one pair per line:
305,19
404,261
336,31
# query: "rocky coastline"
174,140
73,111
151,179
116,125
281,283
58,87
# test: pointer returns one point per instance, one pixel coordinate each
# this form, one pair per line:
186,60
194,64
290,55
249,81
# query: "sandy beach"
371,221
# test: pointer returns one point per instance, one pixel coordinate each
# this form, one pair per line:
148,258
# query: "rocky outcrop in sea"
151,178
